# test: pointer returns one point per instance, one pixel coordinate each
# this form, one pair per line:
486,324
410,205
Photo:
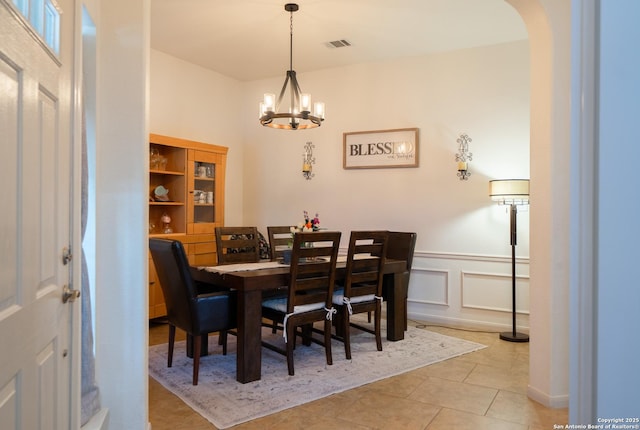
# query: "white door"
35,218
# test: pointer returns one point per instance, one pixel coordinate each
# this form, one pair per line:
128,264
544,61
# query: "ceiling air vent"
338,43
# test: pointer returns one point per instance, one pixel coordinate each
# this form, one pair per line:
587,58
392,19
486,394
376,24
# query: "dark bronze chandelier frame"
295,119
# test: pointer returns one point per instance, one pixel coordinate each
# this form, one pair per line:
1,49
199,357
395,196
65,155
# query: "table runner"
243,267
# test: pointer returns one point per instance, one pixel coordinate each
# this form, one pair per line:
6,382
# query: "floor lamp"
512,192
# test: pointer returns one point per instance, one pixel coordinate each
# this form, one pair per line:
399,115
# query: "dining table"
252,279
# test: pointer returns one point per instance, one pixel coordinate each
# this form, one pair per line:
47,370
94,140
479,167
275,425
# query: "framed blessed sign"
380,149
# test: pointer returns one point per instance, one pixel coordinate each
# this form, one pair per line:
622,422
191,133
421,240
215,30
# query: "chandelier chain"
291,41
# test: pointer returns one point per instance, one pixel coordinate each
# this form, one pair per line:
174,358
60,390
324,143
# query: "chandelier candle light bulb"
305,102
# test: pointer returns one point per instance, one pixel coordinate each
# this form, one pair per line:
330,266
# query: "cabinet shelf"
167,235
166,203
166,172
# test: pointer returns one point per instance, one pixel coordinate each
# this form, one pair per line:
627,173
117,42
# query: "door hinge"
67,255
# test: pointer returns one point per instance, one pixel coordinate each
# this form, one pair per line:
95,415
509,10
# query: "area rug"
225,402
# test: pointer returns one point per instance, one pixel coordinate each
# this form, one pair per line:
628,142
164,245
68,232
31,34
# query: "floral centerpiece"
309,224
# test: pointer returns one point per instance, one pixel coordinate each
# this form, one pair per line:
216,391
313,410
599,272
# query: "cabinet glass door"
202,214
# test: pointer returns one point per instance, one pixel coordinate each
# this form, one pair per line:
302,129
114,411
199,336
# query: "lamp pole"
513,336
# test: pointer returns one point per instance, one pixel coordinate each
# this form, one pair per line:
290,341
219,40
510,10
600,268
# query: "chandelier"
298,116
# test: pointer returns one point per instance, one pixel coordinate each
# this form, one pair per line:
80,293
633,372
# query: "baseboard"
99,421
554,402
463,323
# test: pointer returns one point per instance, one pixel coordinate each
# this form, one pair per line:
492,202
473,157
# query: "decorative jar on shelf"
166,222
154,158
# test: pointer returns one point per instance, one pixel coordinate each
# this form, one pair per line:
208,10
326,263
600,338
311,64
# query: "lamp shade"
510,191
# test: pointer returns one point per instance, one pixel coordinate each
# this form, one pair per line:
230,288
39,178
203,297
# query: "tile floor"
485,389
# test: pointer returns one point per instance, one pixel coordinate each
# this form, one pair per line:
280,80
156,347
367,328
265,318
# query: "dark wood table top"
274,277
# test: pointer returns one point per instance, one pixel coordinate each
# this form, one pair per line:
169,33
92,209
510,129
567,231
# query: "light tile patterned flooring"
485,389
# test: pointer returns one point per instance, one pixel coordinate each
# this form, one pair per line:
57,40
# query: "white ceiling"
249,39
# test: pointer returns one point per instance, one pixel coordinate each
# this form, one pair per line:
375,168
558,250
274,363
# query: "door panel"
35,325
9,83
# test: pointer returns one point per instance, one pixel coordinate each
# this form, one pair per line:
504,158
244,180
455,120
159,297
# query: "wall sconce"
463,157
307,161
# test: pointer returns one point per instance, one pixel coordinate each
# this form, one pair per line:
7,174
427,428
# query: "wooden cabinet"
186,201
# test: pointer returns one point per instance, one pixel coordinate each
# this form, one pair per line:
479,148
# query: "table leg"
249,355
396,304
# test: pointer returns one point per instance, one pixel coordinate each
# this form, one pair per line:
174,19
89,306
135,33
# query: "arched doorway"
548,24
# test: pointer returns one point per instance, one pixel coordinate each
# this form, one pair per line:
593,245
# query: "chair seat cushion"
338,297
280,304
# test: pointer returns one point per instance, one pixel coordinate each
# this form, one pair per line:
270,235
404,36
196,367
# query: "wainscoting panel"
491,291
436,286
466,290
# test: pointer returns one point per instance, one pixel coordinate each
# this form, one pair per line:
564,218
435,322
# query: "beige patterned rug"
225,402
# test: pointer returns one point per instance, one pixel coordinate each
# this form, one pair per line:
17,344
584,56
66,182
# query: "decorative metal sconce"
463,157
308,160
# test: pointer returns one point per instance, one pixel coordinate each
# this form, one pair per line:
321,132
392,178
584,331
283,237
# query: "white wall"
549,33
462,272
194,103
483,92
121,210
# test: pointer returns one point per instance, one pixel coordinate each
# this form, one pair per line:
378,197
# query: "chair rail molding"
469,256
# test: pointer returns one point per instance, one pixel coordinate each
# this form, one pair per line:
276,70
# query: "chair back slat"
313,268
365,263
237,245
367,248
279,240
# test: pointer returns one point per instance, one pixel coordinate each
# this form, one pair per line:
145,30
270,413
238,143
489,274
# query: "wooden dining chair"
309,299
242,245
279,240
196,314
237,245
362,289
